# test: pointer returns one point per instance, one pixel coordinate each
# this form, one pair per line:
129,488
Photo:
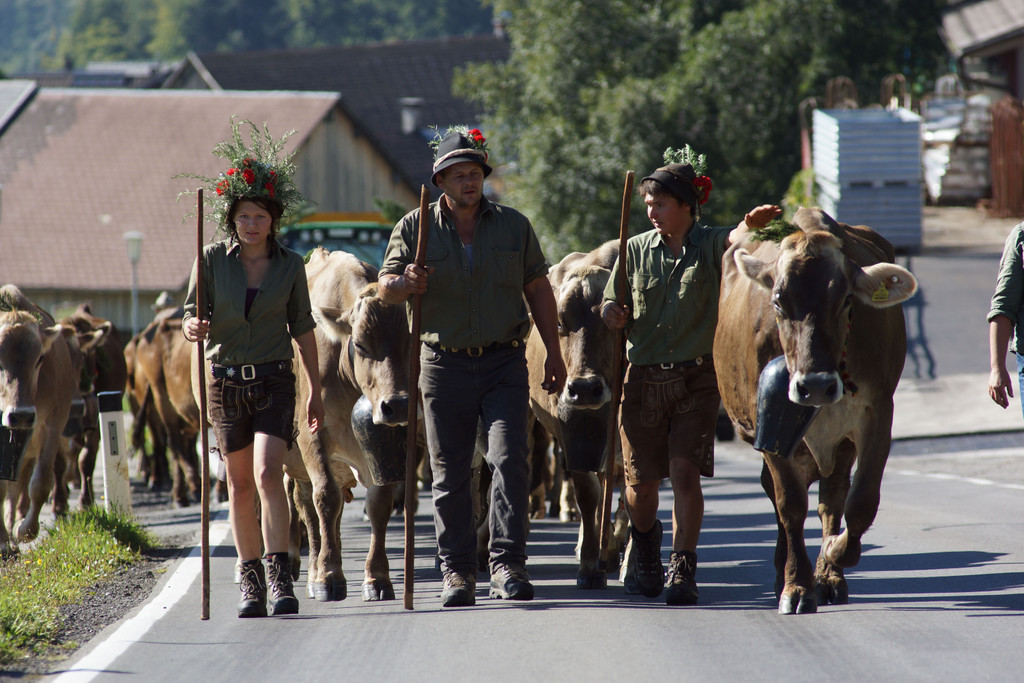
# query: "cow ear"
334,320
884,284
48,335
91,340
754,268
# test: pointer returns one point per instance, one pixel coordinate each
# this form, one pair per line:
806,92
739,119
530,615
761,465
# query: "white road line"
132,630
948,477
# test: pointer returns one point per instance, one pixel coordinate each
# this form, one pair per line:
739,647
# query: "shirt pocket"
644,289
694,287
437,258
507,268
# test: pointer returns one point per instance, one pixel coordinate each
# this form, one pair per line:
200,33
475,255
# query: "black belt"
700,360
247,372
477,351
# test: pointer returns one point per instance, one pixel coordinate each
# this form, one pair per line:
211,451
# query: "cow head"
23,344
813,287
374,337
587,343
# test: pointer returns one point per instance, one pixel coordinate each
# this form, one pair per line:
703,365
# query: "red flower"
703,185
231,171
222,186
270,189
249,176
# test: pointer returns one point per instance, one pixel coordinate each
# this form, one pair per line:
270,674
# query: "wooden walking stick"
414,402
204,437
616,388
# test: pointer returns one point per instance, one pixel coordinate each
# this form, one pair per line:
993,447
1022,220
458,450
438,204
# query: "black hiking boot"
282,595
459,590
511,582
253,584
681,586
645,574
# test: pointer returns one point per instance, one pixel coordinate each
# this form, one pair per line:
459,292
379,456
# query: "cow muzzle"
391,411
815,388
19,418
587,392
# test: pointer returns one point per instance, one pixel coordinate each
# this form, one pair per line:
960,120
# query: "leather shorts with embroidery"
240,408
668,414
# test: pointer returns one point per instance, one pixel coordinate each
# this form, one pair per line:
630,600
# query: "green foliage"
776,230
593,89
79,551
802,191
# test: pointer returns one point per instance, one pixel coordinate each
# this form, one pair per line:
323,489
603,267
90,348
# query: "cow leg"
60,468
377,579
797,594
295,527
588,496
87,466
39,486
8,549
327,582
829,581
864,495
302,498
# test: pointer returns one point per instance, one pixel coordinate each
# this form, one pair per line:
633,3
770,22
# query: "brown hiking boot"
282,595
511,582
681,586
459,590
253,584
644,572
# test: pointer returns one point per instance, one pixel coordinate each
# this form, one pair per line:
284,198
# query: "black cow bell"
781,424
383,446
13,443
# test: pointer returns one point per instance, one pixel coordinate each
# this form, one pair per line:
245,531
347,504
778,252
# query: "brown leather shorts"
240,408
668,414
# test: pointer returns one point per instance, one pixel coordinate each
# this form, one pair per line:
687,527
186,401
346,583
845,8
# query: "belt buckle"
699,360
667,366
248,372
475,351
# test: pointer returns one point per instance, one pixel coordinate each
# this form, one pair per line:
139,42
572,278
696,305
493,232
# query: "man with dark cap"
670,394
482,259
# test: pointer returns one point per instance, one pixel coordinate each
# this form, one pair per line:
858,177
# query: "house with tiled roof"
79,168
394,92
987,38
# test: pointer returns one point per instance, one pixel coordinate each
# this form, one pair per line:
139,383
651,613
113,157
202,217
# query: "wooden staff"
204,437
414,402
616,388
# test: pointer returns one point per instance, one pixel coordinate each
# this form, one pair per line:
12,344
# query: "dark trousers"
461,393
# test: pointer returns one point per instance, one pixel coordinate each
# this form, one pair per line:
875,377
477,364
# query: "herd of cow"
826,298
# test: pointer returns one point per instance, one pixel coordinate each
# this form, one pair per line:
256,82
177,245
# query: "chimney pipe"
410,114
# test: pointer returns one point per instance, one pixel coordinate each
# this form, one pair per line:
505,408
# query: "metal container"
781,424
383,446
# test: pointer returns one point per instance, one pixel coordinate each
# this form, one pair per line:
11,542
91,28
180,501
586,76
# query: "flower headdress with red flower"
473,135
256,171
688,155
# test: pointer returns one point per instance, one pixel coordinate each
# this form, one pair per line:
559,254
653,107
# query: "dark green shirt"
280,311
479,304
1008,298
674,302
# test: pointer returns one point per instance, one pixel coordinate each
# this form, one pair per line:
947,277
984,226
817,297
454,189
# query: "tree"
593,89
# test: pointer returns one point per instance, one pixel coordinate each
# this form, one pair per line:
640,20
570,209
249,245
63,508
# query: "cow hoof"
374,591
798,603
832,592
330,591
592,580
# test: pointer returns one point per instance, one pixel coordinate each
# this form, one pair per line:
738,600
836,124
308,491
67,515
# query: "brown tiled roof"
372,79
79,168
970,27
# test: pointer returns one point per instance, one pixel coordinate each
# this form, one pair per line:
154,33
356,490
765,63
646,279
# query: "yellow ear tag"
880,294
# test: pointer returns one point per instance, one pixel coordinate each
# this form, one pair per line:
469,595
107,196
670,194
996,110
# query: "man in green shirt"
670,395
1005,318
482,259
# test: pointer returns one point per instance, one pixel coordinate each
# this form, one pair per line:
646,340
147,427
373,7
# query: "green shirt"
1008,299
674,302
471,304
280,311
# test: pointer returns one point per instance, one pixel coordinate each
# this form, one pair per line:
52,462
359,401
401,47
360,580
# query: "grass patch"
79,551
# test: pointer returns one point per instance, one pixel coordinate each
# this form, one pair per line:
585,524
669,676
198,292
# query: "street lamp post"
134,238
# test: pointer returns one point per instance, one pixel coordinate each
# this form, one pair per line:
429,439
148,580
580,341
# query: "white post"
117,491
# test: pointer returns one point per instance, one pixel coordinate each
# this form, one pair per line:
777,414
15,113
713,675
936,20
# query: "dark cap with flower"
257,171
683,176
458,144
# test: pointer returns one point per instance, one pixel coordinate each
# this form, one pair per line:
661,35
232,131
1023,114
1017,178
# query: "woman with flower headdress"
670,394
255,302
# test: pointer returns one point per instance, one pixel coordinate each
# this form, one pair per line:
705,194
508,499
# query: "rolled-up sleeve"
1009,292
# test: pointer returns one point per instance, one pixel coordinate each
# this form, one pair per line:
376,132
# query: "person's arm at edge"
544,310
1000,329
311,368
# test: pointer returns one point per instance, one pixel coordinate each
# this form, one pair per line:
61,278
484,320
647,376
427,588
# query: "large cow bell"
781,424
383,446
13,443
586,438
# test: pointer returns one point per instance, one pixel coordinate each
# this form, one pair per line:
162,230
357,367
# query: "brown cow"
363,346
577,417
37,384
825,297
105,370
165,359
